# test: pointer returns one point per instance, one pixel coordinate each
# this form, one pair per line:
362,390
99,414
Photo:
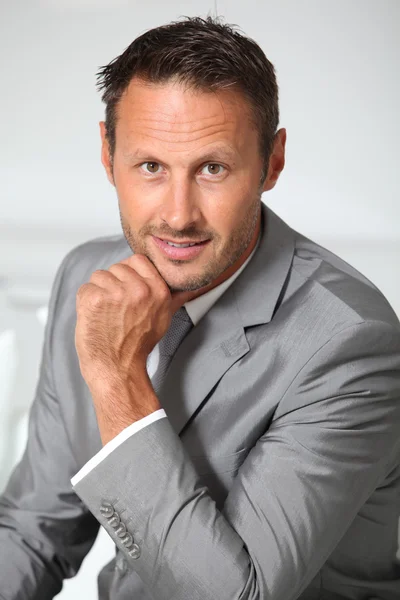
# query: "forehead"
175,114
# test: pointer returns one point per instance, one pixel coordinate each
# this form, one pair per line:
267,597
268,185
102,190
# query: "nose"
179,207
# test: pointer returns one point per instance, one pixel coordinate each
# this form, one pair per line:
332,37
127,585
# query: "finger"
123,272
87,290
142,265
104,279
148,272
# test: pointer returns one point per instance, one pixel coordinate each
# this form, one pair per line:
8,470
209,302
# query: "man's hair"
202,54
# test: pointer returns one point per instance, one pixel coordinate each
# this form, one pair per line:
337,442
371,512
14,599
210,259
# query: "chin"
182,287
188,284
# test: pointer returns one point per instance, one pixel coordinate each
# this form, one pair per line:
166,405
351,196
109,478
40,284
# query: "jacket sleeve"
333,438
45,530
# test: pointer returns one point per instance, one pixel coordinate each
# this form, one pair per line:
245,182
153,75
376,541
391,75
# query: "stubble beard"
233,250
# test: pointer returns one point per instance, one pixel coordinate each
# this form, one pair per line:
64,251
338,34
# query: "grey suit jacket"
276,474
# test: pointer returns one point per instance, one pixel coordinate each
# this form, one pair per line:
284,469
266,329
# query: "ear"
276,160
105,153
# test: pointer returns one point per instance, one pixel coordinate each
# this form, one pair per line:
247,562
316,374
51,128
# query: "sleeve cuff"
117,441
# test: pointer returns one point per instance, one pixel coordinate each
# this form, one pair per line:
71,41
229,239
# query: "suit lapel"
211,347
219,339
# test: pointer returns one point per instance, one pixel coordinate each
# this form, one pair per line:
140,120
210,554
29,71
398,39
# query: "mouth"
180,250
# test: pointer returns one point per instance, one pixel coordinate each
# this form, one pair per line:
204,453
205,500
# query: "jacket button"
134,552
106,509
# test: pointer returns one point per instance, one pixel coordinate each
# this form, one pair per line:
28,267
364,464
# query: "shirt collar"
198,307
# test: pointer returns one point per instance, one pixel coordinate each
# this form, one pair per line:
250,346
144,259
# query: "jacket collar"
258,288
219,339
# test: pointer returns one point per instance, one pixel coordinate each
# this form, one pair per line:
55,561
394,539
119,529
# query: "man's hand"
122,313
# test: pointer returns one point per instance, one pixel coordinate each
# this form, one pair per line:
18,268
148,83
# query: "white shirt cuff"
115,442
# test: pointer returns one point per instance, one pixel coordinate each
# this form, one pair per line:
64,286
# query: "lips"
182,241
187,253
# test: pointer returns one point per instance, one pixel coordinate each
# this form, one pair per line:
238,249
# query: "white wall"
338,67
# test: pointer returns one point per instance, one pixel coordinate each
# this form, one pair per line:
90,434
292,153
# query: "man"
228,411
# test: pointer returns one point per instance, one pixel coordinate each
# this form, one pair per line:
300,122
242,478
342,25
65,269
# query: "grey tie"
180,326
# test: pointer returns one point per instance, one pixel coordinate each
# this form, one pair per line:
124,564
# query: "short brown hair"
206,55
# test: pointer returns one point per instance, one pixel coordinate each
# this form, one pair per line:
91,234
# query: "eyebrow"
216,153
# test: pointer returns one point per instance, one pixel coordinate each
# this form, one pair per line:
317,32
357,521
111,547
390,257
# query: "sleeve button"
106,509
134,552
127,540
121,530
114,520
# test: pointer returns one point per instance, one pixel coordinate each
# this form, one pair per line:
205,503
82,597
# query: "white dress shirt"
196,309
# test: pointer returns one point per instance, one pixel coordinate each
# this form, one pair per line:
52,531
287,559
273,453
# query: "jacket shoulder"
342,286
97,253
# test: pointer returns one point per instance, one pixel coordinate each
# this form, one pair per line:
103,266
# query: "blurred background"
337,64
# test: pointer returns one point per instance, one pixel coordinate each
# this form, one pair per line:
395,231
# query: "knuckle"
89,294
99,273
142,291
118,294
116,267
120,270
82,291
96,299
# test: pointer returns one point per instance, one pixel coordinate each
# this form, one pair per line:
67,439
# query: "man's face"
186,168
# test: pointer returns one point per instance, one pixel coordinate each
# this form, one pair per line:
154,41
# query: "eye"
151,172
214,166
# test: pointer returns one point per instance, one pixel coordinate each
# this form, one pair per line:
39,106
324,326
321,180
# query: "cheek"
138,202
125,184
229,215
135,206
134,219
